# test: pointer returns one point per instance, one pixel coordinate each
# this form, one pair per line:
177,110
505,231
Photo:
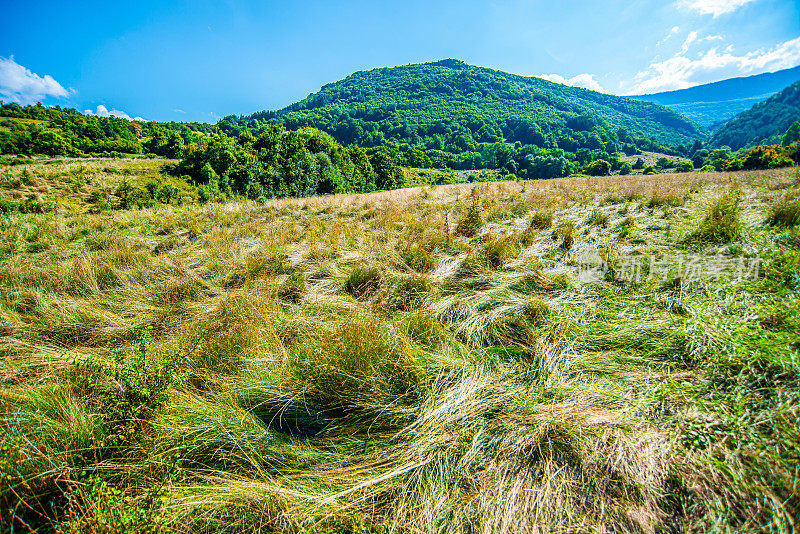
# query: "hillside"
578,355
764,123
449,105
715,103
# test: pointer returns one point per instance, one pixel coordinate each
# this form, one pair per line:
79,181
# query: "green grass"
349,364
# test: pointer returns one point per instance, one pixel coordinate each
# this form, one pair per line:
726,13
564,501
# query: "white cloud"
103,111
692,37
681,72
713,7
585,80
176,110
18,84
673,31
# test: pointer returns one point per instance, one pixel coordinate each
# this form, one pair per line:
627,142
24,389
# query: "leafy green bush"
598,168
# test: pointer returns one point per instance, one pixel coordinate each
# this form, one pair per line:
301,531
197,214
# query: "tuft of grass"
363,281
598,218
293,288
626,227
722,220
541,220
472,219
662,199
418,258
785,212
566,234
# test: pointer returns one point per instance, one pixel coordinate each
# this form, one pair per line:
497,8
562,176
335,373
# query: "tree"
50,143
792,135
598,167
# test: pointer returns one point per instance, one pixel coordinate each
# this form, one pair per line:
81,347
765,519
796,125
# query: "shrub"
639,164
664,163
363,281
684,166
649,170
625,169
598,167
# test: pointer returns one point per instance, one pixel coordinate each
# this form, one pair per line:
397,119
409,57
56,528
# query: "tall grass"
349,364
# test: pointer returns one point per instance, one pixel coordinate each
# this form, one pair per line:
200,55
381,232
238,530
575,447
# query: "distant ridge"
714,103
764,123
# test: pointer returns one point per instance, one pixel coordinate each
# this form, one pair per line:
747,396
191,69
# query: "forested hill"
718,102
449,105
764,123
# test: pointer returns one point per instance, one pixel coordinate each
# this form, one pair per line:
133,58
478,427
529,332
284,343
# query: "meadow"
615,354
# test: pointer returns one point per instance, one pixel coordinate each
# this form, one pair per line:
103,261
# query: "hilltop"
714,103
764,123
452,106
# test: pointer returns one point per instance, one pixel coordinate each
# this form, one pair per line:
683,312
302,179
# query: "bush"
664,163
598,167
684,166
625,169
649,170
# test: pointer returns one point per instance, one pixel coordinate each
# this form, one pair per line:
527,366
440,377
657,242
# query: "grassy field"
577,355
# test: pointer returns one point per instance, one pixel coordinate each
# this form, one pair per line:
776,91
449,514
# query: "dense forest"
764,123
283,163
454,107
356,134
54,131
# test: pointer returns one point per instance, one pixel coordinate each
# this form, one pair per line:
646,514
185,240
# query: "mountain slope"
764,123
717,102
450,105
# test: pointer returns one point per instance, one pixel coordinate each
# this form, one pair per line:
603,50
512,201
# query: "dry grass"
354,364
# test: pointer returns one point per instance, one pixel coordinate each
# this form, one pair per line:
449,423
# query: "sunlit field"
616,354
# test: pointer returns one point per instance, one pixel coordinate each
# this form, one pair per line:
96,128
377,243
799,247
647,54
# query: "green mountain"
451,106
764,123
715,103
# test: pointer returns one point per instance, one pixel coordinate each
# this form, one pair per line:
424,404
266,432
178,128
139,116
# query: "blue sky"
200,60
